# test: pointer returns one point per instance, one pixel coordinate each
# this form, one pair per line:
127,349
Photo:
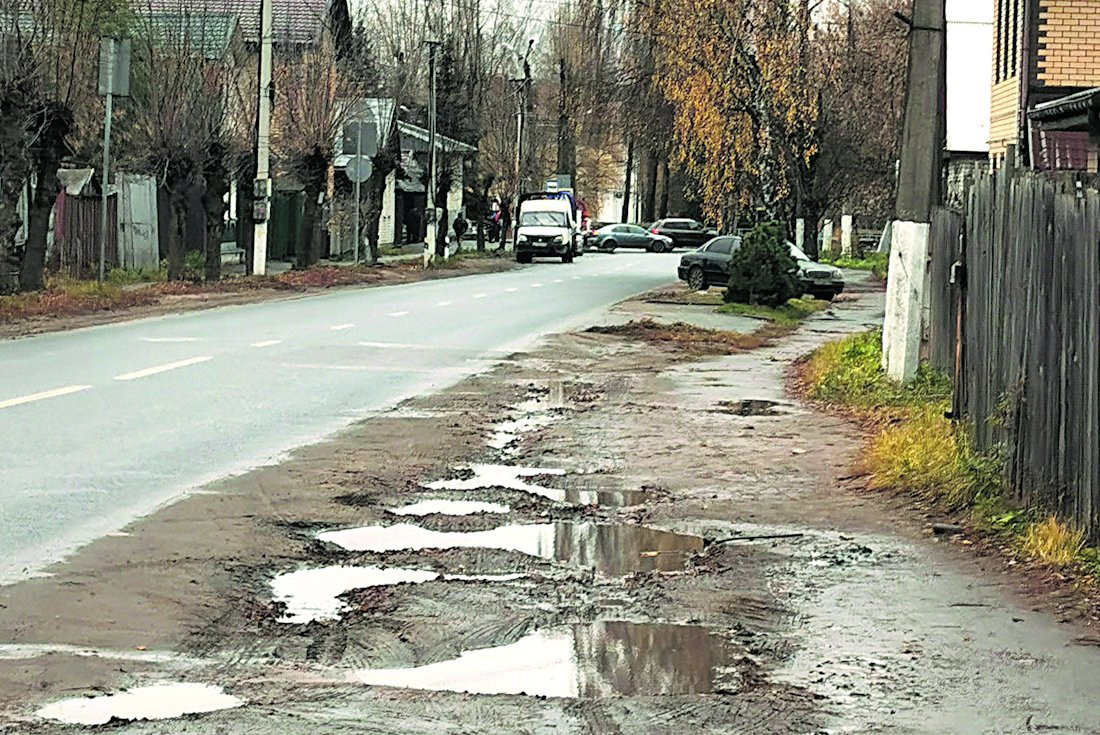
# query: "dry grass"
694,340
931,457
66,297
1053,542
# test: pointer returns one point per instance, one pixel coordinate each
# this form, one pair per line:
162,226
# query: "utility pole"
920,171
566,151
114,80
431,246
262,185
358,185
628,180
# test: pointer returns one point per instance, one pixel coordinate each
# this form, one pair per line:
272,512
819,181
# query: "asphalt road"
100,426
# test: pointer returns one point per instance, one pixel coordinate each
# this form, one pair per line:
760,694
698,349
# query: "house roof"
293,21
1076,112
442,141
207,33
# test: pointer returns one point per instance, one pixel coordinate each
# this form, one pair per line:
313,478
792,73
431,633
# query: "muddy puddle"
310,595
446,507
752,407
612,550
156,702
522,479
605,659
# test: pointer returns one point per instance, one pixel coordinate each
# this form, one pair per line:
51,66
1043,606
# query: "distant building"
969,46
1043,50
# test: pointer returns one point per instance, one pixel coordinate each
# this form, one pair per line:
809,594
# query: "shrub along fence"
1024,310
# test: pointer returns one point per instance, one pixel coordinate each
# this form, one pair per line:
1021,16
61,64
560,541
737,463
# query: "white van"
546,226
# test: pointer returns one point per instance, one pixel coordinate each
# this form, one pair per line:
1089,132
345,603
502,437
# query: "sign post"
114,80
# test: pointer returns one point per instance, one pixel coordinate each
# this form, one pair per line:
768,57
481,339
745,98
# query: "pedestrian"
460,227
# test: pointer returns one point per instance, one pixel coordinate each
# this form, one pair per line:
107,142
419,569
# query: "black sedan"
710,266
610,237
684,233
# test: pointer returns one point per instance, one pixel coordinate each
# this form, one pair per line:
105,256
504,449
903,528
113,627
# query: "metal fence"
1027,318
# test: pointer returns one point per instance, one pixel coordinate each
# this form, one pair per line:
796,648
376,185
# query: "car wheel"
567,257
609,245
697,280
523,257
658,247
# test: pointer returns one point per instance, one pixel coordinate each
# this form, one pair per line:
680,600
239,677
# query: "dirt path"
680,555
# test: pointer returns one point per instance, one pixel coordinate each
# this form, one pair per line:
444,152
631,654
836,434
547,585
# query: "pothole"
612,550
314,594
487,476
604,659
445,507
155,702
750,407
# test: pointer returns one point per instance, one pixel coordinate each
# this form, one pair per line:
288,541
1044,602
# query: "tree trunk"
32,273
11,189
662,203
246,231
649,187
628,179
164,225
194,217
309,251
175,235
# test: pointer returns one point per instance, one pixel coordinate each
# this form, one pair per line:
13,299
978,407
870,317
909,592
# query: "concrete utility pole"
358,185
432,230
262,192
567,156
114,80
918,188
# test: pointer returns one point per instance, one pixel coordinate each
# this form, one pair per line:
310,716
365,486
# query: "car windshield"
542,219
797,253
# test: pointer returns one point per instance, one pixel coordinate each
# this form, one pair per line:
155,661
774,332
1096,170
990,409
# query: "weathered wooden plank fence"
1029,357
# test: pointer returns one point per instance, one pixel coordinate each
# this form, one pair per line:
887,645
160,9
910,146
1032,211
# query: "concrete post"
799,232
905,299
827,236
846,235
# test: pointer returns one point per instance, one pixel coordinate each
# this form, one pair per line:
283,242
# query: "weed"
849,372
130,276
788,314
1053,542
931,457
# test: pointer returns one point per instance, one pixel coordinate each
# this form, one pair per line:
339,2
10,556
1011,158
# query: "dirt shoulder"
56,310
665,543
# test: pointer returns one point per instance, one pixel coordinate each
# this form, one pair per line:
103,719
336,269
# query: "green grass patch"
849,372
877,263
787,315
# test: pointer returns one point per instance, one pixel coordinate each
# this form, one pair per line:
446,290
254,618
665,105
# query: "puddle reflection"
611,549
585,661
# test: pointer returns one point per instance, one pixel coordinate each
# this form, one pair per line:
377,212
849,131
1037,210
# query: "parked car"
685,233
610,237
710,266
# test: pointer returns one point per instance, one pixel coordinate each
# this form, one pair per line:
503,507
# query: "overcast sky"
969,71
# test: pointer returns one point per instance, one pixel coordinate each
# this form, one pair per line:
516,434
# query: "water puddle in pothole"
604,659
750,407
507,433
445,507
613,550
508,477
155,702
314,594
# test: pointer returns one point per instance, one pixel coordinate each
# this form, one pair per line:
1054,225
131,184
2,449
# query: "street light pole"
262,193
432,230
358,185
103,220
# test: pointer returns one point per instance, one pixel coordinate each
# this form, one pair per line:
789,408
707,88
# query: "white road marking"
398,313
536,285
340,327
391,345
576,278
43,395
163,368
266,343
444,303
480,295
170,339
558,280
511,290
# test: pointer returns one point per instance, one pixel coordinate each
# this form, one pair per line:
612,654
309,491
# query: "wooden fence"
1028,348
77,228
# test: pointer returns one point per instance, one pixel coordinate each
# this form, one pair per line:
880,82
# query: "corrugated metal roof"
207,33
293,21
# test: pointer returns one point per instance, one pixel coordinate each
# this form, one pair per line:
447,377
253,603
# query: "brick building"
1043,50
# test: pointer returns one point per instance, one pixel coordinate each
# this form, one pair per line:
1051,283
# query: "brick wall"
1003,117
1069,43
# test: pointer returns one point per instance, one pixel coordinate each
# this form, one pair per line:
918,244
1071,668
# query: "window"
1010,16
543,219
634,230
721,246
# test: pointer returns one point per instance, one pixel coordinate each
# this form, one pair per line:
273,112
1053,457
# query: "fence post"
827,237
846,233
